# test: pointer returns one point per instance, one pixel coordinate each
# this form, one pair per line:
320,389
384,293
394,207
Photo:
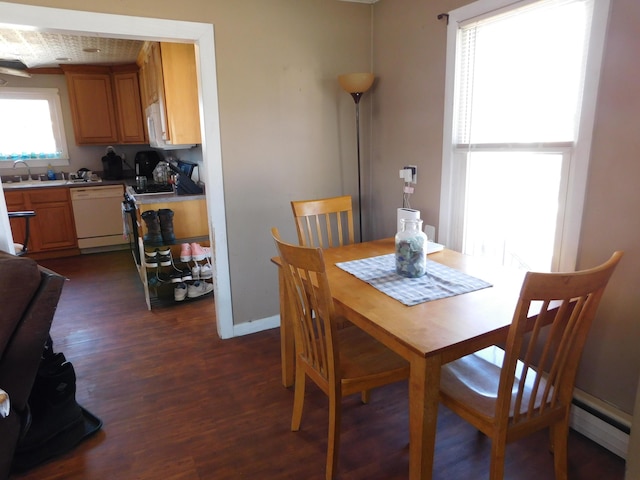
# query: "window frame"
453,174
52,96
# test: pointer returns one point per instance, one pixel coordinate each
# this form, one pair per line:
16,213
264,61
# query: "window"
518,121
31,127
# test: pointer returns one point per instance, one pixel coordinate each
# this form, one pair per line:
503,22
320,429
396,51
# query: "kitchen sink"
34,183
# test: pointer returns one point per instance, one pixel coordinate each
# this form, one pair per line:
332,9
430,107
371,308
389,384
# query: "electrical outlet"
414,173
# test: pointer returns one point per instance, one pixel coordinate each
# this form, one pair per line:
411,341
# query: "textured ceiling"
44,49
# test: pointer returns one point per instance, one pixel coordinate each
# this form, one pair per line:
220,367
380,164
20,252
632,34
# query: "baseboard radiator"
601,422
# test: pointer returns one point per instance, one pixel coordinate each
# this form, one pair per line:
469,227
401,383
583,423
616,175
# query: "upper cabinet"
168,78
105,104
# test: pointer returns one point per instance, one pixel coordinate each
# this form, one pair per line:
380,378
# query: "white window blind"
520,74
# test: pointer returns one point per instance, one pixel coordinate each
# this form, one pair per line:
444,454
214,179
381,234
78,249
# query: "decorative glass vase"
411,249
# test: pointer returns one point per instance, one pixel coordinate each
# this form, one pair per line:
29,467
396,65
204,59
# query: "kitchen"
117,110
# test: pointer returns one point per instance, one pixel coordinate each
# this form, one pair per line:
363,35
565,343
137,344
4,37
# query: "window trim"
579,164
52,95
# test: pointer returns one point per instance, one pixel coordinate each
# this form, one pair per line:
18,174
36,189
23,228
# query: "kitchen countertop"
146,199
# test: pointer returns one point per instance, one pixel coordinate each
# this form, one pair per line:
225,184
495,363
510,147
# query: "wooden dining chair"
325,223
533,388
340,361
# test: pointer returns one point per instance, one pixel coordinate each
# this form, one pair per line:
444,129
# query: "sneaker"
198,288
180,275
180,292
185,252
195,272
206,271
151,259
207,251
164,257
197,252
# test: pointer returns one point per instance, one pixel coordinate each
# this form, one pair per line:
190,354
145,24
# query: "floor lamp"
356,84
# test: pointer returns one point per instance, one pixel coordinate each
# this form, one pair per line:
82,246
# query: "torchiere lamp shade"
356,82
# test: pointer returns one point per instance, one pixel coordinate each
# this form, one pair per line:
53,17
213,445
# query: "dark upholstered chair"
29,295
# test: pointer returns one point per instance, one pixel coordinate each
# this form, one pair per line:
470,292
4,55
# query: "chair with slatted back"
326,222
533,388
340,361
21,248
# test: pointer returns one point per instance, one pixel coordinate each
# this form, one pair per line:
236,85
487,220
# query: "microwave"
157,128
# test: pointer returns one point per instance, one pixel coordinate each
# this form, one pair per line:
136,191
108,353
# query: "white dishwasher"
98,215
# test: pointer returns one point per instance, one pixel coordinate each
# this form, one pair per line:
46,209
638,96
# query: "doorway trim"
153,29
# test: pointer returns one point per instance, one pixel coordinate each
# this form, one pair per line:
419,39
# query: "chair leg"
498,447
365,396
298,398
559,434
333,440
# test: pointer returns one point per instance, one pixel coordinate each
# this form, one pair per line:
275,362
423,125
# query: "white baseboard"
610,433
256,326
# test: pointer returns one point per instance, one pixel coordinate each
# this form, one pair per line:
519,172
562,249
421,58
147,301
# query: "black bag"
57,423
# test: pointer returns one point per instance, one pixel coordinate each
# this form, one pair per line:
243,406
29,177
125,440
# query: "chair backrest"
327,222
21,248
308,287
541,360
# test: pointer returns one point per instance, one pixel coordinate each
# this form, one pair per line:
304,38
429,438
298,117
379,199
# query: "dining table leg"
287,348
424,391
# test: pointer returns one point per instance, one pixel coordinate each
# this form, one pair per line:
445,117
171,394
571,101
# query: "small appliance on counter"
112,165
145,162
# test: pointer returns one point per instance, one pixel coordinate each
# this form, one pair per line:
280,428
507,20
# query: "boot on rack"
166,225
152,222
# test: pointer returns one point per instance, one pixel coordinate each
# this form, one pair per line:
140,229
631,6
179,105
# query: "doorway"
153,29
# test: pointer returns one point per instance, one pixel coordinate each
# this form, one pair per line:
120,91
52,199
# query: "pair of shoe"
193,290
180,275
158,257
194,251
202,271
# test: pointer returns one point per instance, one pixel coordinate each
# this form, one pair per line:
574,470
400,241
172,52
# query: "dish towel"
439,282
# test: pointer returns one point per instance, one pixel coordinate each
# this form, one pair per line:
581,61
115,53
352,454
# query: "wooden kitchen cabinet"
52,230
105,104
168,76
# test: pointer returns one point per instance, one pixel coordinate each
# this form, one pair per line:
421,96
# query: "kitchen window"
520,95
31,127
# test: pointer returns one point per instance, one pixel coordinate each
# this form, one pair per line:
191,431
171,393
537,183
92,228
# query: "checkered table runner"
439,282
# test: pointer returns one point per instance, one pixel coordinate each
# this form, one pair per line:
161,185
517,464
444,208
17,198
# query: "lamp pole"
356,84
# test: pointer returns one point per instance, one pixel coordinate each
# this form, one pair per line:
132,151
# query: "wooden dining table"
428,335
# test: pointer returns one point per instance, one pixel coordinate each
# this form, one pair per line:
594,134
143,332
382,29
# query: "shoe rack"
163,272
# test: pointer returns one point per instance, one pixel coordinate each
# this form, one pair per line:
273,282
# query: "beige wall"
409,61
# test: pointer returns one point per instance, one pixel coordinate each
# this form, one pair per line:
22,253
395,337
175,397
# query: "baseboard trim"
601,422
256,326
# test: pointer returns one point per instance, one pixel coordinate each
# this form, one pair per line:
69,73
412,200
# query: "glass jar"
411,249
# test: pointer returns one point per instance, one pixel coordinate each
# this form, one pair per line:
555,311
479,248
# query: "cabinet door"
53,225
92,107
181,93
128,107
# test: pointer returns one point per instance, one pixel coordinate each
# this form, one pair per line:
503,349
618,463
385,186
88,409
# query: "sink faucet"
26,165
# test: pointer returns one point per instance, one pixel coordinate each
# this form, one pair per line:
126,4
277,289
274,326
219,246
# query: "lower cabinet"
52,230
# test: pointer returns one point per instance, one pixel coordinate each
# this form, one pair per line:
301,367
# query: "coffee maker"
145,162
112,165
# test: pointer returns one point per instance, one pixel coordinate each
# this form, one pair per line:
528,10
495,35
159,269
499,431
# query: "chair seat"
475,381
362,357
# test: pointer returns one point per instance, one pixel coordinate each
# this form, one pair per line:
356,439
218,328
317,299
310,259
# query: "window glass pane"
31,124
25,128
512,206
521,74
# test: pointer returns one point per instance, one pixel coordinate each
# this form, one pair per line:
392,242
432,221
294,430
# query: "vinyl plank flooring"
179,403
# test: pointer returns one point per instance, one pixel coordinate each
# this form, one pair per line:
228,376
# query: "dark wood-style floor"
179,403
